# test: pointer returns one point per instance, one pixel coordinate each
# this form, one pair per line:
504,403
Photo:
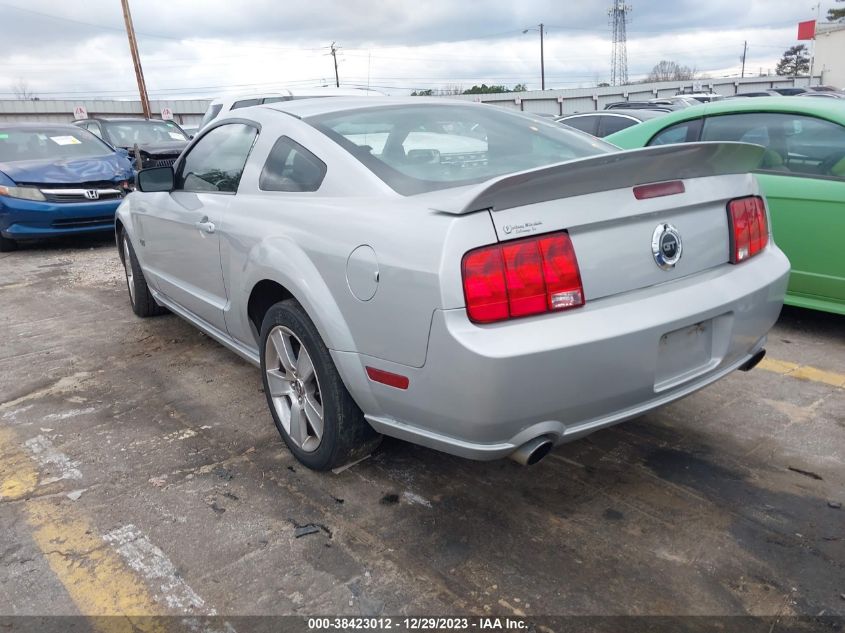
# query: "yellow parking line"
802,372
92,573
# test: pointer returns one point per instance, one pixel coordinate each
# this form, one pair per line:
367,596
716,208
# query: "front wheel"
140,297
311,407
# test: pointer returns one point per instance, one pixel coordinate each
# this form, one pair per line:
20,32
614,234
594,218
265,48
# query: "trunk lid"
620,241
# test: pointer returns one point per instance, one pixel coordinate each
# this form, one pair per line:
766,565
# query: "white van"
233,102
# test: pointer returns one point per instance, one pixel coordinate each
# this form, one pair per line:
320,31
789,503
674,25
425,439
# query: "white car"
224,104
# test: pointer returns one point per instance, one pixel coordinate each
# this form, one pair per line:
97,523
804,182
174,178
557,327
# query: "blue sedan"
57,180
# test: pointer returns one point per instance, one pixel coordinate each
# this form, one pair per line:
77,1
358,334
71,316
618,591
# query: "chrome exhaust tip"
532,451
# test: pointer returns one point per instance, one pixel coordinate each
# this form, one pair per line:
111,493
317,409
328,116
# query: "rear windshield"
127,133
419,148
44,143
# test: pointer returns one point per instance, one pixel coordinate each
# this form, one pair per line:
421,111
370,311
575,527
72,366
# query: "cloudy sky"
203,48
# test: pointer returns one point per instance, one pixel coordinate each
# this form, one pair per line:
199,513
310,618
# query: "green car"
802,175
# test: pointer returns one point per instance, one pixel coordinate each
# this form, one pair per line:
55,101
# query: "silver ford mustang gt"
456,275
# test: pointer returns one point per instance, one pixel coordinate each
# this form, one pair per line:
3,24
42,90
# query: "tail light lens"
749,227
521,278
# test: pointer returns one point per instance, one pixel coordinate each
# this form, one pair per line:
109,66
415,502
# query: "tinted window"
422,148
49,143
584,123
127,133
795,143
686,132
245,103
610,124
217,161
291,167
274,99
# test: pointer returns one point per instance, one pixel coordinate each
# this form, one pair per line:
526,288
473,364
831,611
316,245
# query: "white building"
830,54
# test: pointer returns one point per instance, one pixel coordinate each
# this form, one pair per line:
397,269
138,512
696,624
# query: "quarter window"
291,167
794,143
216,162
686,132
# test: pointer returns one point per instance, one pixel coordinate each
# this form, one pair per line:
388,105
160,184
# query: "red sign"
807,30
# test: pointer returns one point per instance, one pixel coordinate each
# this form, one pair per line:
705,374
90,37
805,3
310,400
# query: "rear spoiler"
606,172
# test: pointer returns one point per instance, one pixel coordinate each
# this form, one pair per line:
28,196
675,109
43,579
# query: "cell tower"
618,14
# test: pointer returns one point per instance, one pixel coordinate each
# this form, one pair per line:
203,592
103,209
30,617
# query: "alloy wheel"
294,388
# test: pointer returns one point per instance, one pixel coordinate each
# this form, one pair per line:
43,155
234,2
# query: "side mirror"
155,179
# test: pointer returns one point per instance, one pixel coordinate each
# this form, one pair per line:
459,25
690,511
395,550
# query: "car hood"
167,148
109,167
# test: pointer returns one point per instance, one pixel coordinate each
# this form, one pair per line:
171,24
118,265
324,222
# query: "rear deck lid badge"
666,246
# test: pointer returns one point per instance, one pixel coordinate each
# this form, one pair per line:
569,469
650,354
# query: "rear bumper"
485,390
28,219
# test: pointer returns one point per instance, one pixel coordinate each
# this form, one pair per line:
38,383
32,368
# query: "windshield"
422,148
44,143
127,133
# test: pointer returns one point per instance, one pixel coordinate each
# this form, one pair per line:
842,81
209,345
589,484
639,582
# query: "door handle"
205,225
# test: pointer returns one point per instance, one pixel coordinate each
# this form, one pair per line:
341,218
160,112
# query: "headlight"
25,193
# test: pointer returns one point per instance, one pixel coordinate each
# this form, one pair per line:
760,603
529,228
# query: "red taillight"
749,227
521,278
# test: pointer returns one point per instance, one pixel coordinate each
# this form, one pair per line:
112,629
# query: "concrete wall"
570,100
185,112
830,55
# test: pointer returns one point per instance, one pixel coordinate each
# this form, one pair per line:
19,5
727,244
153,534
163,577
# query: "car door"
182,249
803,177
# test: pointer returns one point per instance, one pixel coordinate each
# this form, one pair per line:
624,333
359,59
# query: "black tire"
7,245
140,297
346,436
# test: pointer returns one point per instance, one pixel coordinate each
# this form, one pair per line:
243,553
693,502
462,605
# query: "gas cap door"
362,273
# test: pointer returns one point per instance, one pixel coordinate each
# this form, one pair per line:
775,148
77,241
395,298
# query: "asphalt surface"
140,472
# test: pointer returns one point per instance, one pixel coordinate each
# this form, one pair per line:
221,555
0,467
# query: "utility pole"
744,53
813,52
542,59
542,62
334,56
136,59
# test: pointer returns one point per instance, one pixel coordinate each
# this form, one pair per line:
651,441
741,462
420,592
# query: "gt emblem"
666,246
92,194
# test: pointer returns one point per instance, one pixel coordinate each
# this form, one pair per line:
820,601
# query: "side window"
686,132
610,124
794,143
273,99
217,161
291,167
245,103
584,123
